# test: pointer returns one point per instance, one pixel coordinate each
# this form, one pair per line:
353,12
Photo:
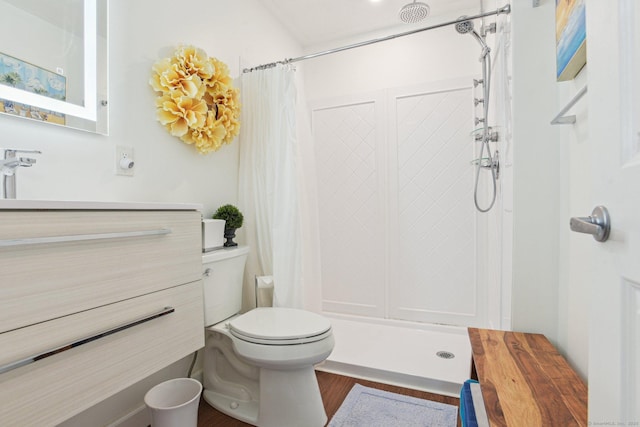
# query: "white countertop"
87,205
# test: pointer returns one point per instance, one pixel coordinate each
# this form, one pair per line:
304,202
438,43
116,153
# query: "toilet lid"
280,326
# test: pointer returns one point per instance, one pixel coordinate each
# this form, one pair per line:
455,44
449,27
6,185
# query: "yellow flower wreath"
197,100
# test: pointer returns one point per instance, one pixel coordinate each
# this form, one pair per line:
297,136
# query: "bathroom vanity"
93,298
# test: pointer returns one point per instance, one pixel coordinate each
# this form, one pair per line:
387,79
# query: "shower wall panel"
435,236
348,141
398,228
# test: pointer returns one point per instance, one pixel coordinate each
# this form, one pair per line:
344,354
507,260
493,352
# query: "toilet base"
290,398
261,396
243,410
287,398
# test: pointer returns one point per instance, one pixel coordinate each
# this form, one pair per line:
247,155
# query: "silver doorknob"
597,224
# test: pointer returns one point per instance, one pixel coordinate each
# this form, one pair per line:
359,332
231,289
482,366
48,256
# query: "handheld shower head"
413,12
466,26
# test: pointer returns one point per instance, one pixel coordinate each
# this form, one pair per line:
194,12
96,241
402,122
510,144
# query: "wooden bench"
525,381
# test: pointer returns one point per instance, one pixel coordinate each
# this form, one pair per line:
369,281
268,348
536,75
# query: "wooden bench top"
525,381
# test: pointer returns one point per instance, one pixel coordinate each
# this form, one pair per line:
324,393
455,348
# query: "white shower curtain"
269,193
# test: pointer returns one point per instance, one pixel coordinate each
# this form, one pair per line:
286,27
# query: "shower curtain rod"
504,9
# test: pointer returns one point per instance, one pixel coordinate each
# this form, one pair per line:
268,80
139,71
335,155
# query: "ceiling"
314,22
311,22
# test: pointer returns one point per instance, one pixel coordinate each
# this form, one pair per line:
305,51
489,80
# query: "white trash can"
174,403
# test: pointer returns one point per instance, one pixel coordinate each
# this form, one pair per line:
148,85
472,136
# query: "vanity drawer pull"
82,237
77,343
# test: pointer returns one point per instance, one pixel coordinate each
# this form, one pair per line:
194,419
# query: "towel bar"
82,237
560,118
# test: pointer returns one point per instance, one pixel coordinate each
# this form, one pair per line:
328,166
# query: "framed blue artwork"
571,38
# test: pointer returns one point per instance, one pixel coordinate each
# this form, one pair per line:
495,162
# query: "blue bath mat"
369,407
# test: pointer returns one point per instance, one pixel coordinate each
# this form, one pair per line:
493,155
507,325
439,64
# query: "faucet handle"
28,151
27,162
12,151
9,163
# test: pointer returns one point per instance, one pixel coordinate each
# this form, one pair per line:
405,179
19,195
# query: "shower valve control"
492,136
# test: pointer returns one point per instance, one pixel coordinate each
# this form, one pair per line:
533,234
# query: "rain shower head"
413,12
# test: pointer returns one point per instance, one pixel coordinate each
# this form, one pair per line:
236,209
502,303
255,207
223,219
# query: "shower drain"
445,354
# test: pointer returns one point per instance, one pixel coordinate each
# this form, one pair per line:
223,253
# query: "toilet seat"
280,326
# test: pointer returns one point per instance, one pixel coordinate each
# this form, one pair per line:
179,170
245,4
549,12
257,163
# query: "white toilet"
258,366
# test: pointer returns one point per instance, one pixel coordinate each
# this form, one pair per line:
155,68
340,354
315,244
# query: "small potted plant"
233,220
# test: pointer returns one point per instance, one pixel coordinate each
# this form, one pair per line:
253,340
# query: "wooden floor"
334,389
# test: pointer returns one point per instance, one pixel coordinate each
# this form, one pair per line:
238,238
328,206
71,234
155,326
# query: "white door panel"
614,332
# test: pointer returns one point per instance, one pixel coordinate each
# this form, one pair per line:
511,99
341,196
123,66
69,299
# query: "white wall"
80,166
552,167
430,56
536,171
77,165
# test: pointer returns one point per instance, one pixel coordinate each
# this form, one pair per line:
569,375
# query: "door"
614,125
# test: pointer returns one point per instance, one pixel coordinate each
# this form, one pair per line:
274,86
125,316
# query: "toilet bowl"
259,366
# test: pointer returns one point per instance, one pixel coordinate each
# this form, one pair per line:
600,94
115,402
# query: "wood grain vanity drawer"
104,261
48,391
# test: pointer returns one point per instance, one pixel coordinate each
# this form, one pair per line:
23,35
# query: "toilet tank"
223,273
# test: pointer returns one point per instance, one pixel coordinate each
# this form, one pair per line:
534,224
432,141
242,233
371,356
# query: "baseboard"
429,385
136,418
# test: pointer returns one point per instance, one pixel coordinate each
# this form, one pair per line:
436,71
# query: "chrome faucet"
8,166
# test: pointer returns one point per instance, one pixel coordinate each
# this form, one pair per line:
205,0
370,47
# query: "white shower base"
400,353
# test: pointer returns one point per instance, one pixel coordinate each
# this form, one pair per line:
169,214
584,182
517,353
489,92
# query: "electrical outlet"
124,161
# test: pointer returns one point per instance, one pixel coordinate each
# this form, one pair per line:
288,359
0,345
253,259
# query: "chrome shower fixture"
414,12
492,136
466,26
490,162
463,27
486,29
